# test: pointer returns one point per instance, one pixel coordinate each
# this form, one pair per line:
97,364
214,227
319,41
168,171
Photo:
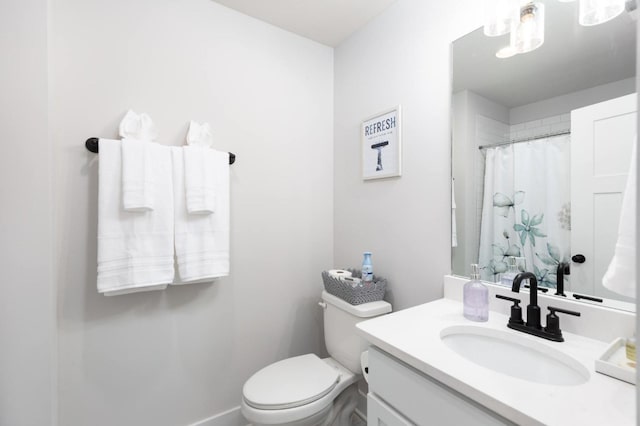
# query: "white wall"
564,104
177,356
402,57
27,303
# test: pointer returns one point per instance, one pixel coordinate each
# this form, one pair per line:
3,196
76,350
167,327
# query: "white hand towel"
199,177
138,185
621,274
201,241
138,168
135,250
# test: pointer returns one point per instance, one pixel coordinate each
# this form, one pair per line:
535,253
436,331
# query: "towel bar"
92,145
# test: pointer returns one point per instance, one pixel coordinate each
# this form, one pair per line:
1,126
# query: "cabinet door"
422,399
380,414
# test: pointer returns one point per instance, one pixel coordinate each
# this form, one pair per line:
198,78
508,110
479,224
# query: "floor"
356,420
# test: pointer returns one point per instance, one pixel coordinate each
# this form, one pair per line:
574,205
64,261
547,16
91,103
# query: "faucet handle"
553,322
516,310
553,310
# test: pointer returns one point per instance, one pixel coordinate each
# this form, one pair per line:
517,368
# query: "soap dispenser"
475,297
507,278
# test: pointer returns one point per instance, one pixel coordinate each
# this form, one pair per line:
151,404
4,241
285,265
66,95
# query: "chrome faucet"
532,325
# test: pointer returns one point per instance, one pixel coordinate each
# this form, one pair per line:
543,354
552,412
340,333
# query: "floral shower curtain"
526,210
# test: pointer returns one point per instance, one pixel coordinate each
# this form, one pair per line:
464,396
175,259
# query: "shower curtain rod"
92,144
532,138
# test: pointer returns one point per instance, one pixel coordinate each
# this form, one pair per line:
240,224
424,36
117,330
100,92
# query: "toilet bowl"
306,390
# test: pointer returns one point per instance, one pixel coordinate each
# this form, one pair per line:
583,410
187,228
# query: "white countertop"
413,336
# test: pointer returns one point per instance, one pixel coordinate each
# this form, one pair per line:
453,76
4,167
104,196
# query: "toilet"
307,390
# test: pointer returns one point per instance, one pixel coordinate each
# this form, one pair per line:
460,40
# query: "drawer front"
380,414
421,399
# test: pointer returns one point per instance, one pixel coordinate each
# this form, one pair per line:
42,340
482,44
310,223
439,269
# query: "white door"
601,139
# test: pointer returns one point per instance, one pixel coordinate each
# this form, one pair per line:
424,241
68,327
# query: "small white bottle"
475,297
507,277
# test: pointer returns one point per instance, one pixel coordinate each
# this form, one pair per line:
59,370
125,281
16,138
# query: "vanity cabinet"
399,395
381,414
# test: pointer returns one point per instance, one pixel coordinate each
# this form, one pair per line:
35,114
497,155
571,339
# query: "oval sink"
515,356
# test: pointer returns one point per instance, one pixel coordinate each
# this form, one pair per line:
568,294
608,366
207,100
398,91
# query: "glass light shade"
528,31
509,50
594,12
506,52
498,15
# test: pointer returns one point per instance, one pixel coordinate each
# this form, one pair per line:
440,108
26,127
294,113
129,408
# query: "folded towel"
621,274
138,168
201,241
135,250
137,126
138,173
199,177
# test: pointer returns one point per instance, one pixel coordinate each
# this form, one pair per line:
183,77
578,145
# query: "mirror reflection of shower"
491,107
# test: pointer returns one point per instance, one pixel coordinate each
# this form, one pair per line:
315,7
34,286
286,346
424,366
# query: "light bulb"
528,30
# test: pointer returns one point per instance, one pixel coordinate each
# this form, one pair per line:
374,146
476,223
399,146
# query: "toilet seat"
290,383
299,415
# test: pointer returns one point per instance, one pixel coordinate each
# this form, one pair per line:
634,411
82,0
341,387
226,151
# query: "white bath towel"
201,241
135,249
199,177
138,167
621,274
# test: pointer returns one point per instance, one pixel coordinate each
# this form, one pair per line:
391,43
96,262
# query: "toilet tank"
344,344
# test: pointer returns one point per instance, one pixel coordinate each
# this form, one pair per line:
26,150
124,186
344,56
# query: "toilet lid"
290,383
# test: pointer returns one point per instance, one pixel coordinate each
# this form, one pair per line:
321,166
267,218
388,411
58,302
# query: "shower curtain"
526,210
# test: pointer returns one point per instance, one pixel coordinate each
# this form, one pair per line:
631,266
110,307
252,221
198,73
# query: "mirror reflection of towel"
621,274
454,231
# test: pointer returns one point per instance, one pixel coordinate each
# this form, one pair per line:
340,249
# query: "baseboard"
232,417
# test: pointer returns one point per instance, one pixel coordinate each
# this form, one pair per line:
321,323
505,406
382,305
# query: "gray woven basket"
358,295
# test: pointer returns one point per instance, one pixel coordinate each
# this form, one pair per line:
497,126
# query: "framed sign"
381,155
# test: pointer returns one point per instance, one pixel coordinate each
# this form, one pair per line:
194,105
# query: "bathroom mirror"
514,146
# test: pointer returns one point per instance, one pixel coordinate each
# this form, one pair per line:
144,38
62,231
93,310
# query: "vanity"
537,145
430,365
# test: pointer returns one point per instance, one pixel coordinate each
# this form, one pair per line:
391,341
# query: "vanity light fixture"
498,16
525,20
506,52
528,30
594,12
510,50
